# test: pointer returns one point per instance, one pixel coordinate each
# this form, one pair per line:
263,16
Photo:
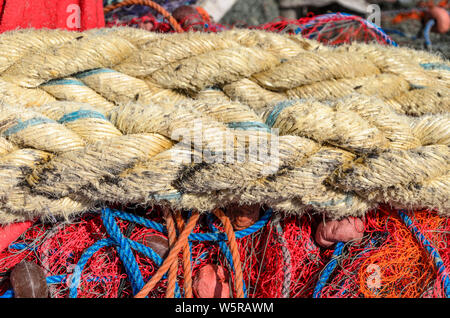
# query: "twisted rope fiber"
117,239
187,263
346,132
218,237
287,266
226,251
173,270
328,270
172,21
169,259
228,227
431,250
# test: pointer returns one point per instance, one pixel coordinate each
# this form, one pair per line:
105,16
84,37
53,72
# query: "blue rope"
124,251
435,66
427,31
328,270
125,247
202,237
430,249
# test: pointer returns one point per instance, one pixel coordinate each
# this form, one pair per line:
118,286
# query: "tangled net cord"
125,246
342,156
315,26
172,21
426,244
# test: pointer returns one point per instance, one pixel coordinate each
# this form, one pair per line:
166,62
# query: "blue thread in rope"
435,66
94,72
328,270
434,254
276,111
347,200
79,114
248,125
170,196
21,125
63,82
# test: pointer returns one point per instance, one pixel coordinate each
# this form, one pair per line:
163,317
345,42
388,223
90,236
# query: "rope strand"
182,239
238,281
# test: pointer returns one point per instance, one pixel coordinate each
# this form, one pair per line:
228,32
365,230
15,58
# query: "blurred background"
406,22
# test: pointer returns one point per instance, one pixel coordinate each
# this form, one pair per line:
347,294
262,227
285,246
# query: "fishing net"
388,262
279,256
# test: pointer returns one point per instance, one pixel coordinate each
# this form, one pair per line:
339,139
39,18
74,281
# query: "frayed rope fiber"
104,116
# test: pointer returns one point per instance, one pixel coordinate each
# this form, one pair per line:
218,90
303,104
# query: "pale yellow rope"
361,124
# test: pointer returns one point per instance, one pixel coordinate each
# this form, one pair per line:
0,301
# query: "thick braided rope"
169,259
339,152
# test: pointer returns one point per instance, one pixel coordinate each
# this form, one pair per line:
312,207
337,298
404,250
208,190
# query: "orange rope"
173,271
228,227
187,267
150,4
182,239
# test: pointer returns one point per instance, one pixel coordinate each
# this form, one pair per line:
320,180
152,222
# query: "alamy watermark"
374,279
373,14
210,145
74,19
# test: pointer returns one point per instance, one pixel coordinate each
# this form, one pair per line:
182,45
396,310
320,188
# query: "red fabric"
10,233
62,14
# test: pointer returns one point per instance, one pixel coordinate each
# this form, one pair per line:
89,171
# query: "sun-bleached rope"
103,116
